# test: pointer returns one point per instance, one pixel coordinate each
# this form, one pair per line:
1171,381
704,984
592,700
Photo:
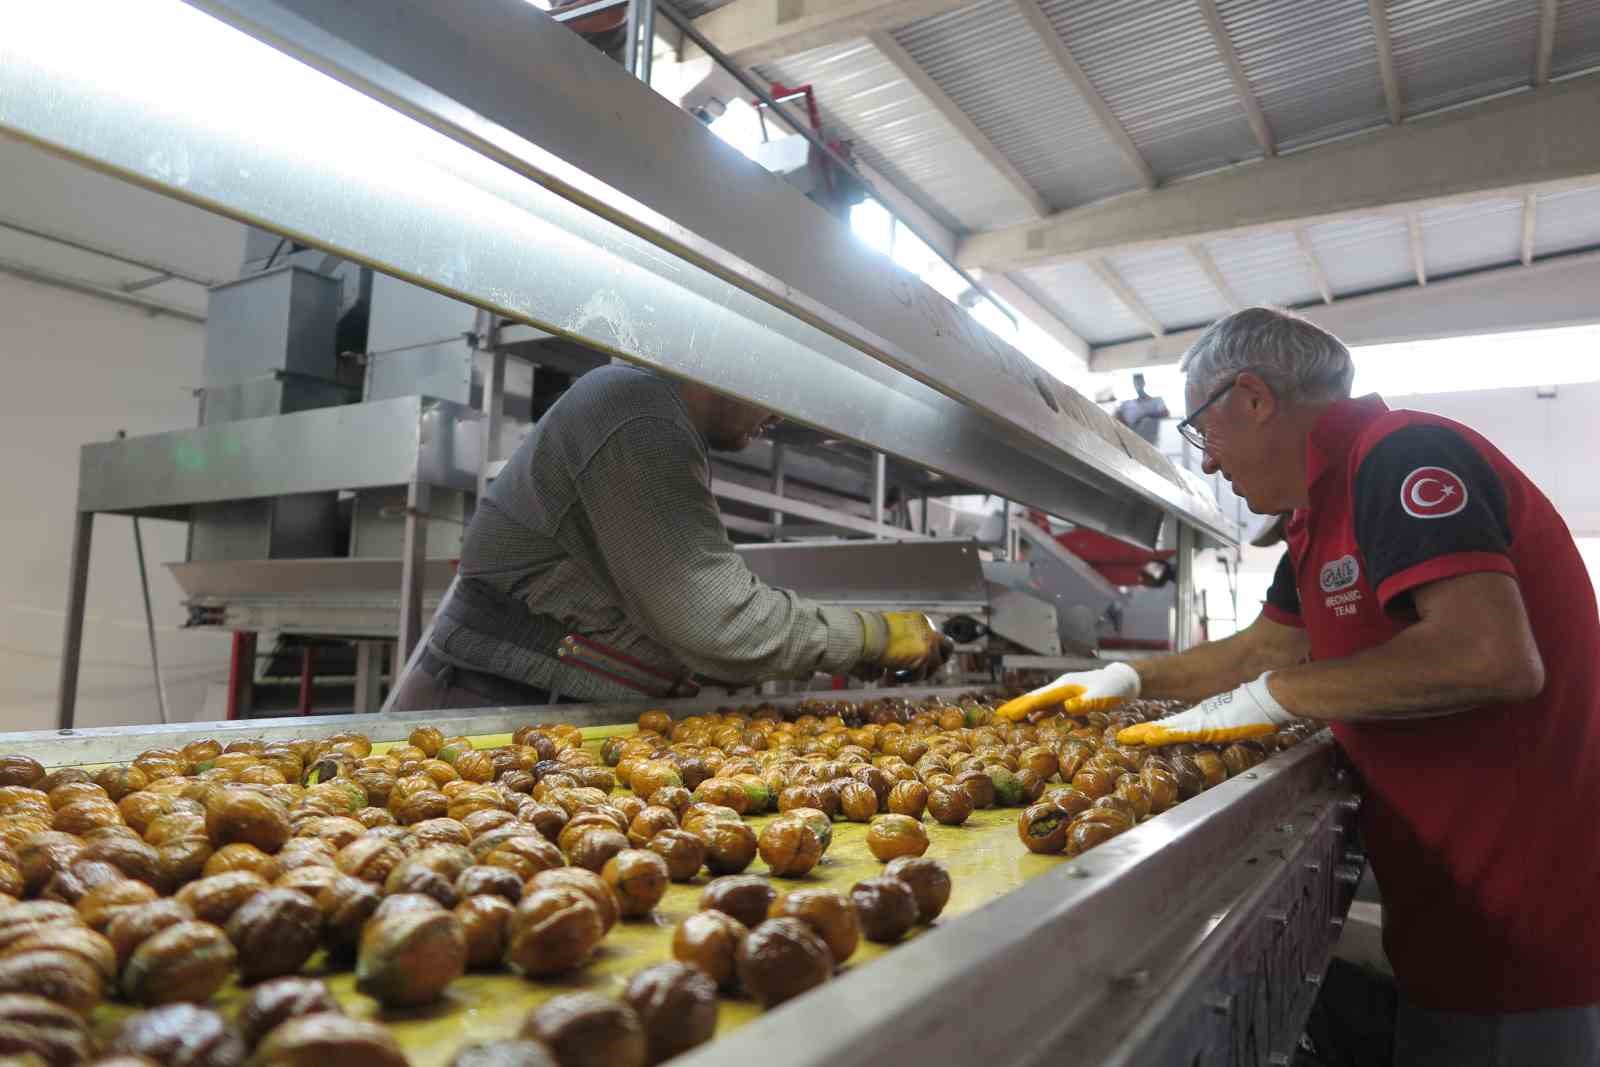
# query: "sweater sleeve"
646,497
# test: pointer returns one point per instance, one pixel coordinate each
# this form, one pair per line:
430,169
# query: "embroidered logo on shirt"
1339,574
1432,493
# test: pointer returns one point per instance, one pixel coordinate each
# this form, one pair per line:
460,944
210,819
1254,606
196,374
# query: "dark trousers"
438,686
1360,1020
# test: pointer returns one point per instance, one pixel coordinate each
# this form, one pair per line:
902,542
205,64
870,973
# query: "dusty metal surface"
452,208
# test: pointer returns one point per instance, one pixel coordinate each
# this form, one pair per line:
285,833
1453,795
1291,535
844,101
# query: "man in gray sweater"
597,568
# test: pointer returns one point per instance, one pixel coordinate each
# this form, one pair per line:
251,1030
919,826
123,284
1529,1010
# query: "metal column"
880,476
77,603
150,621
414,555
369,676
631,55
647,39
494,391
1184,561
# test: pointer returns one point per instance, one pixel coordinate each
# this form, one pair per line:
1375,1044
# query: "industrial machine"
388,294
437,218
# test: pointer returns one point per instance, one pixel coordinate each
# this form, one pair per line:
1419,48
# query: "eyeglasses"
1187,428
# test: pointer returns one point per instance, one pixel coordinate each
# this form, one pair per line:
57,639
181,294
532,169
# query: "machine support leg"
150,621
414,556
77,603
1186,616
242,676
308,674
647,40
631,56
494,391
780,458
880,476
369,675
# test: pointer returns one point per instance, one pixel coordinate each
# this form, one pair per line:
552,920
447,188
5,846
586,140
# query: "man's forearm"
1471,646
1410,675
1211,668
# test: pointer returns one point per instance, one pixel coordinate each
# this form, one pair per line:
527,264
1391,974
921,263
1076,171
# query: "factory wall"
79,369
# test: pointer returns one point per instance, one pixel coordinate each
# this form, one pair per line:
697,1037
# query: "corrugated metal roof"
1157,67
1313,65
1577,44
995,68
1450,51
1172,285
1566,221
1084,303
1359,255
1461,237
1265,268
864,99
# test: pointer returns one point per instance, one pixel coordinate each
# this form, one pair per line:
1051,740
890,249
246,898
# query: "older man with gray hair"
1433,608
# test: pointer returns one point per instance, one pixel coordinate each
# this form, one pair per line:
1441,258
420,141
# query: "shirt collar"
1336,431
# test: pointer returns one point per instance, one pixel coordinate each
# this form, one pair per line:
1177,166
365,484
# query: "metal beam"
1202,255
1015,293
1315,265
1530,223
745,494
924,84
1554,291
1546,139
56,280
1046,32
1547,42
1241,84
753,32
1419,261
1391,83
1124,292
652,269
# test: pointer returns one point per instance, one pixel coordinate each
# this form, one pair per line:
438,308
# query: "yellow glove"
903,640
1248,711
1080,692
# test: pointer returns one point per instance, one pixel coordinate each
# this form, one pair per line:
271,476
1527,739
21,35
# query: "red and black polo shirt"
1481,825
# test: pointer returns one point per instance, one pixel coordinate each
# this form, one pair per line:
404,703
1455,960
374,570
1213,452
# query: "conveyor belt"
1194,939
984,857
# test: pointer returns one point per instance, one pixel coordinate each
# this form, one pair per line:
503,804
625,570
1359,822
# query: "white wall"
77,369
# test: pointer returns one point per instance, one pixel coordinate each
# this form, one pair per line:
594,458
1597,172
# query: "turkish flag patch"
1432,493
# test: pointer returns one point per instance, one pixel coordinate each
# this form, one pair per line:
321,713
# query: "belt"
606,662
491,687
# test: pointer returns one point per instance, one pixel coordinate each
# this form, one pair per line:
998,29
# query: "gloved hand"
903,641
1248,711
1081,692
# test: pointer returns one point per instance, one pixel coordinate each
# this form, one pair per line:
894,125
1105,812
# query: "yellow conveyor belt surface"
984,856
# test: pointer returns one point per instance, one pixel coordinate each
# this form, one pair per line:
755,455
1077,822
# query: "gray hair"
1299,360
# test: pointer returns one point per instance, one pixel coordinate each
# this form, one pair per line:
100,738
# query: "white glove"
1079,692
1248,711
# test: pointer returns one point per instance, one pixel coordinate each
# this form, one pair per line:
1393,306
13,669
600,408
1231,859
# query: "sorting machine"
402,158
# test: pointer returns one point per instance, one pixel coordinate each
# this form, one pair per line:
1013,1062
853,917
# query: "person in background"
1143,414
596,567
1433,608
